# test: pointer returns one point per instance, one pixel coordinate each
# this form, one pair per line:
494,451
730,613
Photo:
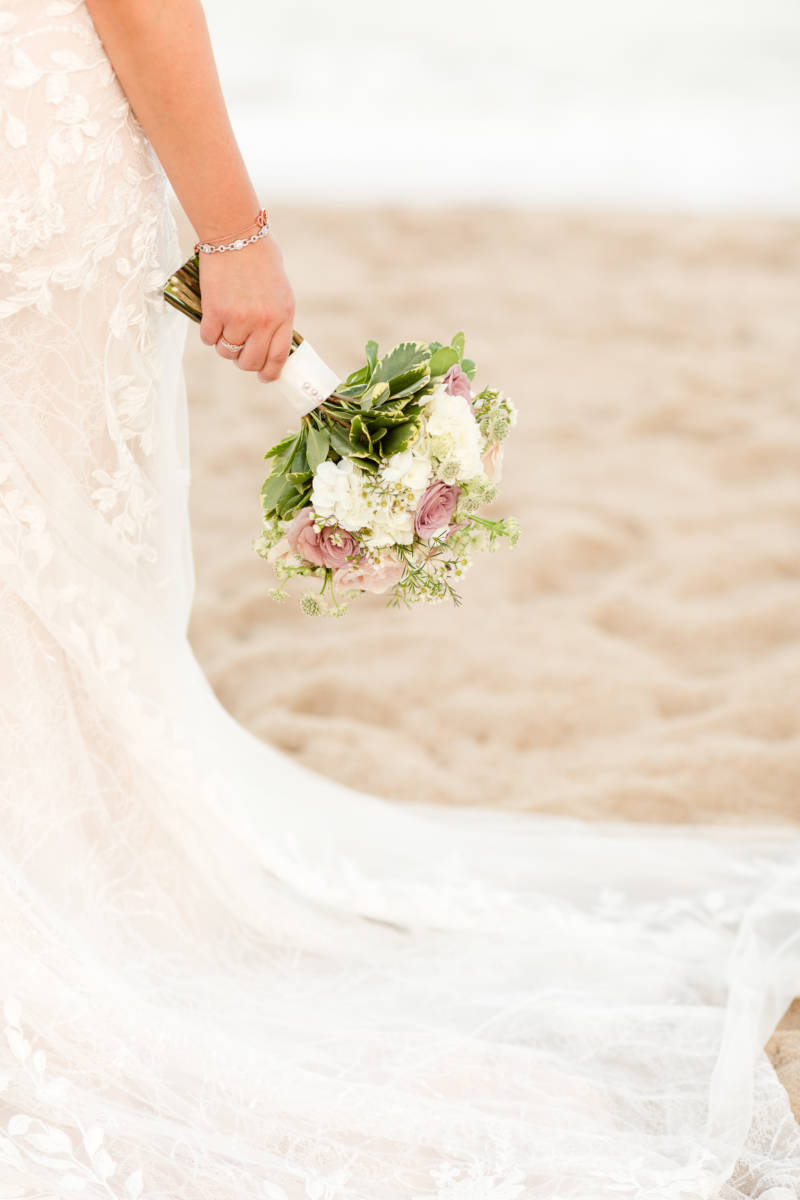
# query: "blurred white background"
649,104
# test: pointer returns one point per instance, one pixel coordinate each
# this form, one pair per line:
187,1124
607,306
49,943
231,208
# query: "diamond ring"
229,345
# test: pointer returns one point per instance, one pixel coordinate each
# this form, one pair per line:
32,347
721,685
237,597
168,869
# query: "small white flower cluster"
496,414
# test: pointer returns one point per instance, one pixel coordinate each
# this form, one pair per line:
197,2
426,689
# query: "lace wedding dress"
227,978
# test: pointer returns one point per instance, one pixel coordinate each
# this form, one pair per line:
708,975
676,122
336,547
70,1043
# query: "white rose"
337,492
450,418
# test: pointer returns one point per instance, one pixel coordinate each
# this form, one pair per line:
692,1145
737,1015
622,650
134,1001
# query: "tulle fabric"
225,977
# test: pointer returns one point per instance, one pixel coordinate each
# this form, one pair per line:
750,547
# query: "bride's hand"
247,301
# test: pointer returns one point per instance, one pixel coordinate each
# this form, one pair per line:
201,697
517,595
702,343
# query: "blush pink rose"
456,382
372,577
436,507
330,546
492,462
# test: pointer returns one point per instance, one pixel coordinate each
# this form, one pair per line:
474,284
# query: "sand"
638,655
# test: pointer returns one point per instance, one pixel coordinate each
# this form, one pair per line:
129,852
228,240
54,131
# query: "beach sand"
638,655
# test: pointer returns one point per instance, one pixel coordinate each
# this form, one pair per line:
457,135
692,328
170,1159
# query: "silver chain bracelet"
239,243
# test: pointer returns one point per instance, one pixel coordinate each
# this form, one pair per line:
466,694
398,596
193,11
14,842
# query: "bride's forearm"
162,55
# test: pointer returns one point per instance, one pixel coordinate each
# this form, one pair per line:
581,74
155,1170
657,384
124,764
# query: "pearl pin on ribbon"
306,380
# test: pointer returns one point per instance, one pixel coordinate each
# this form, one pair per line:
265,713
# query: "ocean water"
648,104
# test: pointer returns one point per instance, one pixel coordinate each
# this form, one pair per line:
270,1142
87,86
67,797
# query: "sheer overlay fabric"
225,977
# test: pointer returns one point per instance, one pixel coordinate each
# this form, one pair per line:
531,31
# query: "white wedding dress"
225,977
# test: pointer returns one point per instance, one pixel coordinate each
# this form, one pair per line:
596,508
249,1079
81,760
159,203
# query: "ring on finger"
221,341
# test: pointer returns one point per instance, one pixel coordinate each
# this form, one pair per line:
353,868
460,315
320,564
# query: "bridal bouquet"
380,489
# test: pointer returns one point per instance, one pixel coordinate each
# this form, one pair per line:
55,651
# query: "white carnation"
409,468
390,526
337,491
452,424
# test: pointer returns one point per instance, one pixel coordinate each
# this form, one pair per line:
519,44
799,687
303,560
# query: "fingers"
265,341
279,347
266,351
263,351
254,354
210,328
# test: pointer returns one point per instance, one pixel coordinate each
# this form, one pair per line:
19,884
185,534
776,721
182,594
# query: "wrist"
227,220
256,230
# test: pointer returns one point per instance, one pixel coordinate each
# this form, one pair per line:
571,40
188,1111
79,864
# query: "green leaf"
376,395
285,453
341,442
288,501
270,491
400,438
295,506
401,359
468,367
458,344
299,461
281,446
397,414
360,434
361,376
443,360
352,391
317,445
401,372
410,381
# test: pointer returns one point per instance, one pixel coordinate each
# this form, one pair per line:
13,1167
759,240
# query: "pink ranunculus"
493,462
435,509
330,546
456,382
372,577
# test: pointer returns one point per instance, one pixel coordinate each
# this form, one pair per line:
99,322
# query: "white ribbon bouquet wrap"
306,380
380,488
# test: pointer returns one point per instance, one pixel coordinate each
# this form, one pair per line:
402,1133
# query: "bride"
224,977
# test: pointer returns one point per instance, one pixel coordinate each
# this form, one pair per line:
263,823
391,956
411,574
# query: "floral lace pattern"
67,122
224,977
